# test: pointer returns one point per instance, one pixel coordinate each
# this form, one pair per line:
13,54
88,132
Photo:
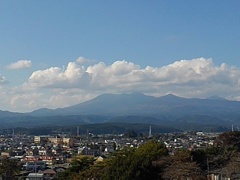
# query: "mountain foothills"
169,111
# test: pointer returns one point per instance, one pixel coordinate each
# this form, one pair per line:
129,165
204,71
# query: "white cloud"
26,101
126,76
83,60
59,87
21,64
55,77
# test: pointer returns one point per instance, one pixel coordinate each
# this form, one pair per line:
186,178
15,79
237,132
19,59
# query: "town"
45,156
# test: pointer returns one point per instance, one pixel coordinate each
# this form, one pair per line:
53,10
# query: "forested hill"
169,110
140,104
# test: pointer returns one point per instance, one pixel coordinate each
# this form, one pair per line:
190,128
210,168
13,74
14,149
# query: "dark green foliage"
8,168
200,157
136,163
78,165
129,163
96,171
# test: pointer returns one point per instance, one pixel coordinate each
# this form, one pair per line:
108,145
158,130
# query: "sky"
59,53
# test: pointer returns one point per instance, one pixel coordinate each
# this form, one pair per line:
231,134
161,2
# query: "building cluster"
190,141
44,157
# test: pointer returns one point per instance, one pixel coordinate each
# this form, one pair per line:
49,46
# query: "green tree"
78,165
96,171
9,168
137,163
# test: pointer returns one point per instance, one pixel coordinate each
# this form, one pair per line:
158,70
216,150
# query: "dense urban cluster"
192,155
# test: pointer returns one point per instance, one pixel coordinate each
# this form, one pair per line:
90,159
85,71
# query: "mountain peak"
120,96
170,95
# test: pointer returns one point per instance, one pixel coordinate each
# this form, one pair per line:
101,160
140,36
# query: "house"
66,142
91,152
35,176
49,174
47,159
42,151
5,154
34,166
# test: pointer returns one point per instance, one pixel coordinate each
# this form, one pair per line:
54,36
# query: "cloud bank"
59,87
21,64
122,76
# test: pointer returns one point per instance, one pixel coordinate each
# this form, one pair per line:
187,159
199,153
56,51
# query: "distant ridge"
169,110
10,114
140,104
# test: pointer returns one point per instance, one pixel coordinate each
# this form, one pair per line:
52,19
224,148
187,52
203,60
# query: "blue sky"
37,36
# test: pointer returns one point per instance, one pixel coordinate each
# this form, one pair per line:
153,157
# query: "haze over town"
56,54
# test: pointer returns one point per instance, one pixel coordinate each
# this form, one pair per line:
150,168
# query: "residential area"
45,156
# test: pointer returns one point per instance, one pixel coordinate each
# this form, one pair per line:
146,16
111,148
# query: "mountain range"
166,110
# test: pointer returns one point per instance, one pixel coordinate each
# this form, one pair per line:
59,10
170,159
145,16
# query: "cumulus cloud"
21,64
122,76
55,77
59,87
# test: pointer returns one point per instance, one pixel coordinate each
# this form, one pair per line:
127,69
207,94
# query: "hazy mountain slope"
139,104
178,106
106,104
136,108
10,114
